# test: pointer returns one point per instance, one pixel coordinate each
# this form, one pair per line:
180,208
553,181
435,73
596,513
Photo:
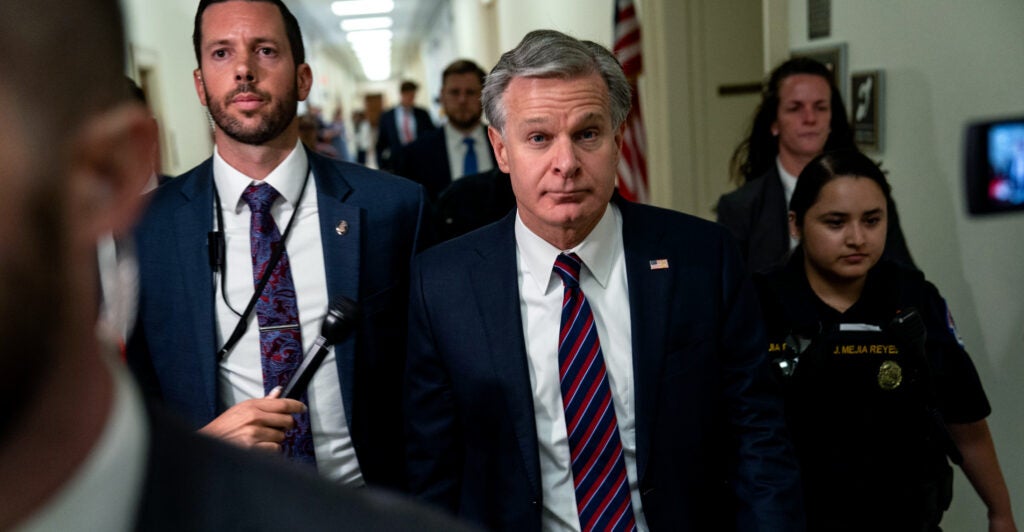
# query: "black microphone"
337,325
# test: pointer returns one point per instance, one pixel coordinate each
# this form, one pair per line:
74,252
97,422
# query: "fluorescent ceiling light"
375,36
351,8
375,58
368,23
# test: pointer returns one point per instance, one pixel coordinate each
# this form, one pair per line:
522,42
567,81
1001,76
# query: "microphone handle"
300,379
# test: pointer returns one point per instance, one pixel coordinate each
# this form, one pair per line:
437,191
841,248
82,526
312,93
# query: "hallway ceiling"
413,20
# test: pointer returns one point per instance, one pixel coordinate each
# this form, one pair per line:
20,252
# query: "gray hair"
552,54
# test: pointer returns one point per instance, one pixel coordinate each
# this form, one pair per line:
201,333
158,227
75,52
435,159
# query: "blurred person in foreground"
78,448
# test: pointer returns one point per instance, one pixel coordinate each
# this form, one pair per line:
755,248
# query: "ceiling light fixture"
368,23
373,49
353,8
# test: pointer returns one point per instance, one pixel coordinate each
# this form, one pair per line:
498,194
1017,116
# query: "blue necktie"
278,315
598,464
469,163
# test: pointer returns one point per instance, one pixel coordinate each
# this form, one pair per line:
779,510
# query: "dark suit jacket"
389,141
173,349
195,483
706,415
425,161
757,215
472,202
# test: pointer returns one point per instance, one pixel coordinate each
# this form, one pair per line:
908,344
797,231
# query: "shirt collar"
105,491
788,181
287,178
598,251
455,136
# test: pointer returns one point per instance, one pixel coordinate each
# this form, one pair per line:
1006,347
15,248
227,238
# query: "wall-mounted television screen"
994,173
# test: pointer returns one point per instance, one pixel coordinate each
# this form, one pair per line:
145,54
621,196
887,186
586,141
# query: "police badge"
890,375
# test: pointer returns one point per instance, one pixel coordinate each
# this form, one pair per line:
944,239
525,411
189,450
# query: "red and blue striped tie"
278,315
598,465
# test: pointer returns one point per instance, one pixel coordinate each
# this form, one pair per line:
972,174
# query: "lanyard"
218,261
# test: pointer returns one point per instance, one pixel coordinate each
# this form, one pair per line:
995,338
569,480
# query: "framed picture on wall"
833,57
866,111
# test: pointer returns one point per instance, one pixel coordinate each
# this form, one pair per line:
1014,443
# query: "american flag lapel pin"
660,264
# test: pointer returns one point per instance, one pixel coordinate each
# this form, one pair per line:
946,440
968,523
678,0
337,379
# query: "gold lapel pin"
342,228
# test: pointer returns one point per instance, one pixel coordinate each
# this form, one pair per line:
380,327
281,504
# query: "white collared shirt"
788,185
105,492
400,113
241,371
453,139
603,281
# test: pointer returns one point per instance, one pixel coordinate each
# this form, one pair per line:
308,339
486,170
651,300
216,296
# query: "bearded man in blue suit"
353,234
670,359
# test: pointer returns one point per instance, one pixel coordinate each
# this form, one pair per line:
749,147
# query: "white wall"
947,62
160,38
583,19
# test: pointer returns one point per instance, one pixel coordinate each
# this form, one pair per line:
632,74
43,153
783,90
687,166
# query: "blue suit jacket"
173,348
425,161
711,448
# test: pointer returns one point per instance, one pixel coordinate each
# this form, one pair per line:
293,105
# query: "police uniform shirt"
881,465
961,398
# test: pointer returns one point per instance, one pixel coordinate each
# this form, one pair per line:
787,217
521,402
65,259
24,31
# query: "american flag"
633,162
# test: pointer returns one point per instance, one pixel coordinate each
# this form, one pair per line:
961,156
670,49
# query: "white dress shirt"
105,491
603,281
457,149
400,113
241,370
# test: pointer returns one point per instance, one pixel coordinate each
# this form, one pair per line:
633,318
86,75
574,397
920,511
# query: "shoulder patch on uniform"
951,325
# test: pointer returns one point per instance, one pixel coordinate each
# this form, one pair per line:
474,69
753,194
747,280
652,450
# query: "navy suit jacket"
425,161
173,348
711,448
758,217
389,141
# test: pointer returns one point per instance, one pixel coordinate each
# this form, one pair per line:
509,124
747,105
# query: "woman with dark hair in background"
800,116
879,390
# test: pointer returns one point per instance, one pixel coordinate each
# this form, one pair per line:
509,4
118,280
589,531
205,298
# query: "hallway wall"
946,63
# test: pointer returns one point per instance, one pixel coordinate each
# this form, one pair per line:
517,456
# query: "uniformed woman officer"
879,390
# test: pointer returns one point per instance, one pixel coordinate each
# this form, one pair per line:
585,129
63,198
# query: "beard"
464,123
274,120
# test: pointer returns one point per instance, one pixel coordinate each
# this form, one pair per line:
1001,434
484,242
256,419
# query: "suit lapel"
441,161
649,297
341,257
497,298
775,215
193,220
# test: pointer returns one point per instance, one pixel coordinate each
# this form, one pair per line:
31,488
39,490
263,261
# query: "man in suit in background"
78,448
399,126
586,362
458,148
207,239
